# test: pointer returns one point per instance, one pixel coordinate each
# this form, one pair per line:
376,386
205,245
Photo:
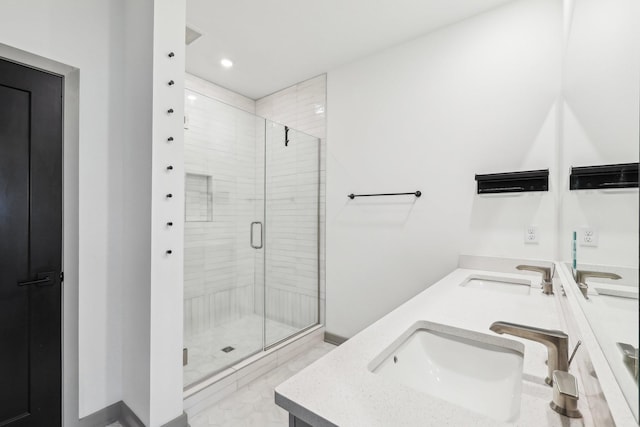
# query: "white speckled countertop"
340,390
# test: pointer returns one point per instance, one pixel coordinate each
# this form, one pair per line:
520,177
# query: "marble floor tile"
253,405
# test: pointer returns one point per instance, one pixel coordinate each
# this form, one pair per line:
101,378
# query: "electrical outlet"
588,236
531,234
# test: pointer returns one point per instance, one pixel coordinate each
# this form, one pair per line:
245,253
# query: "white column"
167,269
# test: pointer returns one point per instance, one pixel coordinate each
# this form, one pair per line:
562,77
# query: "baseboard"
121,413
334,339
180,421
128,418
103,417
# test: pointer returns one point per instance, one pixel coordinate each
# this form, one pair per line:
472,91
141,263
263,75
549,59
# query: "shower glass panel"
292,179
224,210
251,235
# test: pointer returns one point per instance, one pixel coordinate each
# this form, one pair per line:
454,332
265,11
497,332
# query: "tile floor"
244,335
253,405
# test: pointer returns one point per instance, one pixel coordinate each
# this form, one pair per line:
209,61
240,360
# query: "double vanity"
489,344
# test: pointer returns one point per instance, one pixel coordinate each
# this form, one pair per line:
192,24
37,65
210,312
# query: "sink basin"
480,372
496,284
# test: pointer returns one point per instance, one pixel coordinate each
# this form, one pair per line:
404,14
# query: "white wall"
88,35
70,226
121,307
476,97
601,125
137,172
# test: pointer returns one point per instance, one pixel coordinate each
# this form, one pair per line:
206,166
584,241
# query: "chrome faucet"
557,343
581,277
547,284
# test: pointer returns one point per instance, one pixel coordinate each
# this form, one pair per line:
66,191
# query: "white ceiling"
277,43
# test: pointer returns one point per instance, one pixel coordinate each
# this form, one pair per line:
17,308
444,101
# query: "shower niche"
251,258
198,200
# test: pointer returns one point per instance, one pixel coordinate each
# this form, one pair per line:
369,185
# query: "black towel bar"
415,193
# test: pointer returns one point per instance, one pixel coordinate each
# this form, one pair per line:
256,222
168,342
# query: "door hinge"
61,276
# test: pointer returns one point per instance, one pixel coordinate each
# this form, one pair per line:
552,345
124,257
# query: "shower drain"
228,349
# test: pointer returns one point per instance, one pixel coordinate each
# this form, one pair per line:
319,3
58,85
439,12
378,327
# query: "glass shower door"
224,236
251,256
292,182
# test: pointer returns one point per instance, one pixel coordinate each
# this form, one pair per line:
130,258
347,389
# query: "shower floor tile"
206,354
253,405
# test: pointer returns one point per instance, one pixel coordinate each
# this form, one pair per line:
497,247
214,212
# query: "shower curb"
216,388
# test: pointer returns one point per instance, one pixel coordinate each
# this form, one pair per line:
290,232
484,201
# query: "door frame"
70,163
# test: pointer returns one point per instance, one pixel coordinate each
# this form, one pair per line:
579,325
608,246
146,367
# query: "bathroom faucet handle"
547,274
582,275
546,271
573,353
565,394
566,384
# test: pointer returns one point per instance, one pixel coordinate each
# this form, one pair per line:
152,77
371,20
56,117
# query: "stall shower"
251,272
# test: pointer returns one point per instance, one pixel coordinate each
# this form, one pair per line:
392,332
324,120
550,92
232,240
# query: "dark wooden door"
30,247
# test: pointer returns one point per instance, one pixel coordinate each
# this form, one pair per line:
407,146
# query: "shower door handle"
251,236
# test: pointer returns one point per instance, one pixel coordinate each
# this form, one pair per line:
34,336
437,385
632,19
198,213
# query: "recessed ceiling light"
226,63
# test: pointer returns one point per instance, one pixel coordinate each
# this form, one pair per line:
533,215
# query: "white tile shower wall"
211,90
292,227
291,262
292,267
220,147
198,198
302,106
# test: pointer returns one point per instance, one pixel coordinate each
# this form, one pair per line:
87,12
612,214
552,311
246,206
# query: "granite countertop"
339,389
